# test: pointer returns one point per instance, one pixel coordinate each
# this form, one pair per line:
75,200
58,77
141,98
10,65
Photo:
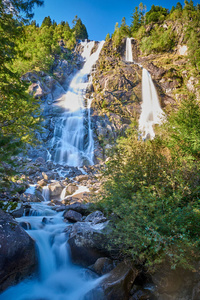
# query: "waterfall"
72,143
129,55
151,113
46,193
57,277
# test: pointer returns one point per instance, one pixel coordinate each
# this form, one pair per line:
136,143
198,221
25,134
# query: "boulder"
117,284
88,242
55,190
29,198
25,225
196,292
70,189
174,284
42,182
73,216
103,265
18,213
77,198
83,209
96,217
17,252
81,178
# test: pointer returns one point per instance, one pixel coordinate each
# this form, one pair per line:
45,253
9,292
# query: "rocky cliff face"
115,89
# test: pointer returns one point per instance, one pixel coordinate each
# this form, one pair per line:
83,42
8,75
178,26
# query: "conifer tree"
79,29
46,22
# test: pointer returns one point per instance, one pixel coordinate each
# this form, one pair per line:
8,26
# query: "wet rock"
39,196
70,189
59,208
47,220
18,213
103,265
118,283
88,242
25,225
73,216
83,209
17,252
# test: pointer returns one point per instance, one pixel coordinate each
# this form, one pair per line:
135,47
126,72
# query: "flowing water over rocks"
151,113
58,278
73,143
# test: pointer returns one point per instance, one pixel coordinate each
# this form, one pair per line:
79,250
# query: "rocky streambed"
57,247
54,244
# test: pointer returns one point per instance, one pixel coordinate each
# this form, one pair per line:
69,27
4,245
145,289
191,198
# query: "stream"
57,278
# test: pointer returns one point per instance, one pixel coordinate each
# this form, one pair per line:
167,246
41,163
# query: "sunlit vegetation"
152,192
157,30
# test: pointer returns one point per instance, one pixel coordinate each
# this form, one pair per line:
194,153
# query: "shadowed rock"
17,252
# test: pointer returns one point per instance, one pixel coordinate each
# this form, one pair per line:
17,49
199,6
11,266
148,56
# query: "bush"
160,40
153,189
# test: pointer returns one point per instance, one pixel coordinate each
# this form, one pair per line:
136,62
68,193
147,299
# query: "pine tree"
46,22
79,29
135,20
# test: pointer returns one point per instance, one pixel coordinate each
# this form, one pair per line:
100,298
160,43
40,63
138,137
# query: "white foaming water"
81,189
30,189
73,140
46,193
151,111
129,54
58,278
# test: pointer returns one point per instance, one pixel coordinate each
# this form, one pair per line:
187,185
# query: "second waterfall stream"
73,143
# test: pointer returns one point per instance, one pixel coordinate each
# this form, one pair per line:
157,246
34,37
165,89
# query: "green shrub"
153,189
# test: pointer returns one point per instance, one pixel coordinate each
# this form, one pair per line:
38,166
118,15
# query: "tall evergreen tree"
135,25
79,29
46,22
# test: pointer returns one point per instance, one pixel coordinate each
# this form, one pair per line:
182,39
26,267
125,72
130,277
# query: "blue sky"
99,16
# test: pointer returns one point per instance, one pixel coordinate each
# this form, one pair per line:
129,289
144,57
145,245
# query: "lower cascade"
152,112
58,278
73,143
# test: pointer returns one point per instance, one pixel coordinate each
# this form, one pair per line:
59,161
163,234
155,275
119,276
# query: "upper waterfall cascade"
73,143
152,112
129,54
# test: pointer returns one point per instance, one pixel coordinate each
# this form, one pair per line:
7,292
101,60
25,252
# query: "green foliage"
79,29
136,22
19,112
120,33
37,48
160,40
184,129
192,37
107,37
156,14
153,189
46,22
117,36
